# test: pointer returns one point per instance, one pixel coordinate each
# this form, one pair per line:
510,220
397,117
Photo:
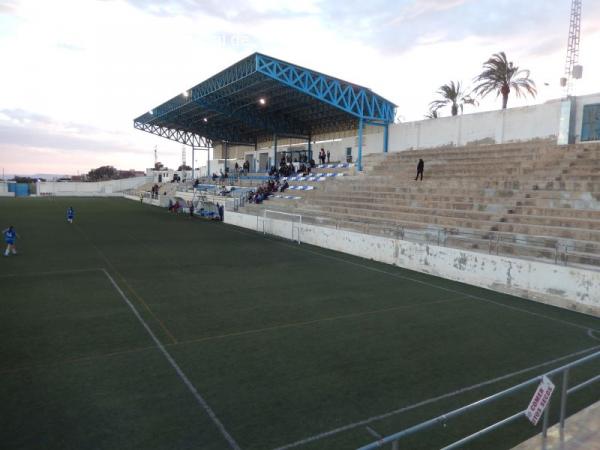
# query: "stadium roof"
259,97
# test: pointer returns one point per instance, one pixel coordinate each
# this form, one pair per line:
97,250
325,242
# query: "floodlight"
262,101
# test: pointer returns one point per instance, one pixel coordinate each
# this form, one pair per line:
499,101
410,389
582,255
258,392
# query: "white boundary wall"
100,188
536,122
4,190
567,287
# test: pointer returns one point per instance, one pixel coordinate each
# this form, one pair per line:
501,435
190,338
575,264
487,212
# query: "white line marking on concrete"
232,443
365,422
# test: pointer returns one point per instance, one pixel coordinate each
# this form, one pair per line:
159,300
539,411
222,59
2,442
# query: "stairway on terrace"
534,200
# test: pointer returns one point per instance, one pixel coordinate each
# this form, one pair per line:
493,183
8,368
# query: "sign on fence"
540,400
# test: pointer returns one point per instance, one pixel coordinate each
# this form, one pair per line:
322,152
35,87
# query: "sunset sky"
75,73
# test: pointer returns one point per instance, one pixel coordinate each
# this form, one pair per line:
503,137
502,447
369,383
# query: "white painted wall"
100,188
566,287
4,190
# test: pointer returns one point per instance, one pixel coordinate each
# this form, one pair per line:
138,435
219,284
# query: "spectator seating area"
533,200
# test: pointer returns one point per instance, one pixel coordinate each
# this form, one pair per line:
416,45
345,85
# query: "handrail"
394,438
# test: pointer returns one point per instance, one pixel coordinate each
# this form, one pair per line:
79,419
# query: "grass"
282,341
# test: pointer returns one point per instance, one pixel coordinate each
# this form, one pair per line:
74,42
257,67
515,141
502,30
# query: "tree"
452,94
501,76
103,173
184,167
432,114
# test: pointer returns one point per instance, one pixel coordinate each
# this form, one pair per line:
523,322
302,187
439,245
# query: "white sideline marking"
365,422
404,277
591,334
515,308
232,443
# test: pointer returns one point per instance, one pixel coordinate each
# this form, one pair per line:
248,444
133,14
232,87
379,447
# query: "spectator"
420,168
322,156
328,156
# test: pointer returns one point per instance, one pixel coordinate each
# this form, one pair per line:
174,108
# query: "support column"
193,166
360,144
386,135
208,174
309,148
226,154
276,164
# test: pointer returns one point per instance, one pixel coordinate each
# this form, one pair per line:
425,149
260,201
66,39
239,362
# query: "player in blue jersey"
10,236
70,214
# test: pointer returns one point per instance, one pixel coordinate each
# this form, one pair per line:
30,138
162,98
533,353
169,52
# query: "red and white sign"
540,400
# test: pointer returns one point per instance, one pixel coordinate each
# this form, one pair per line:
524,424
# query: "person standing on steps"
420,168
328,156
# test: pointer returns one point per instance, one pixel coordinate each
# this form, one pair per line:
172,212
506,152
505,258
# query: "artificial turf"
282,341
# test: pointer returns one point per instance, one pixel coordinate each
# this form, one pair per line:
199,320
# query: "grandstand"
533,200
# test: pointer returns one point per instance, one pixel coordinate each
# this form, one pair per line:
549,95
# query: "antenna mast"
572,68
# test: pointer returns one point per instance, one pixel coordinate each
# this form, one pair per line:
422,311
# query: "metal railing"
395,439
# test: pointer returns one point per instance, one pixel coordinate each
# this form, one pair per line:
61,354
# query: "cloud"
7,7
230,10
22,128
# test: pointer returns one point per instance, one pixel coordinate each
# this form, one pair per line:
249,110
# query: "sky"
75,73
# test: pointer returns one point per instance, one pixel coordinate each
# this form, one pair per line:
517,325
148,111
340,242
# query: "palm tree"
501,76
452,94
432,114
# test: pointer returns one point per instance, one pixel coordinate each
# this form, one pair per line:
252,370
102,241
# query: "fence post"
545,426
563,404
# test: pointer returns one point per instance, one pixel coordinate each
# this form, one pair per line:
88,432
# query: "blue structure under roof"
261,98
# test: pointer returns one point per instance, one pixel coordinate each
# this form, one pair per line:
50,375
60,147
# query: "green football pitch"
134,328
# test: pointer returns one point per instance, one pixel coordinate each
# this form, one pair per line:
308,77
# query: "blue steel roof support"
184,137
356,100
299,102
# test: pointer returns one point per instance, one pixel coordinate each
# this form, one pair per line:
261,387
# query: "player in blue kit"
10,236
70,214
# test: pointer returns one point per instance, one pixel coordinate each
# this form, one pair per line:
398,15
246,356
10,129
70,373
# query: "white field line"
425,283
372,419
476,297
231,441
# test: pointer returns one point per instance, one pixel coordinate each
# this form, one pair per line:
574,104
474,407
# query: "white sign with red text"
540,400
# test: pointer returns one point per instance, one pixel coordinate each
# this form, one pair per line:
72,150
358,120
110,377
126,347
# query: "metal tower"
155,156
183,155
573,45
